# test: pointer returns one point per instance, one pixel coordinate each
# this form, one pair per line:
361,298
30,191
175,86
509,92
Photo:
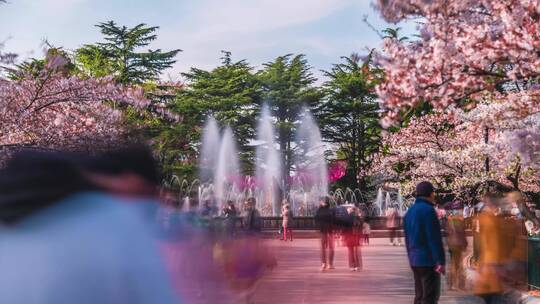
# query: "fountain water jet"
310,162
210,145
268,163
226,171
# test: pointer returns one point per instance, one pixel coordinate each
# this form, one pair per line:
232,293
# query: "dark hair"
325,199
136,159
33,180
251,201
424,189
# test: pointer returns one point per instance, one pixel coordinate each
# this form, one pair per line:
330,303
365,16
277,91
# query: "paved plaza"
386,277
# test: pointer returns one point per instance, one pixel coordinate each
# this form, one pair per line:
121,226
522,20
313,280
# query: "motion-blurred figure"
325,218
351,234
392,223
253,222
457,244
491,252
366,231
287,221
70,237
230,214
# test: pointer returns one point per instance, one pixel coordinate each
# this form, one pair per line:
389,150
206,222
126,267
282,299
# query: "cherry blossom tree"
465,47
53,110
478,61
449,150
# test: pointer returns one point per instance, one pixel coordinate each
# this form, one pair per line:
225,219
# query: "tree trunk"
486,140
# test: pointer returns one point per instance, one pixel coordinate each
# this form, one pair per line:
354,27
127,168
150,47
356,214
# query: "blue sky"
256,30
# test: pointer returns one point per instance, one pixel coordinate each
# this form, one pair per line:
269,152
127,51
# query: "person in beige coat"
287,222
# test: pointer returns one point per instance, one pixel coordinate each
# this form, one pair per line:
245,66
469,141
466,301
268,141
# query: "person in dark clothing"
253,217
325,218
351,236
425,250
229,212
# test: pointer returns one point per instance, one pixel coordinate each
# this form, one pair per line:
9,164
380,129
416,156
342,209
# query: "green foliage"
94,62
287,84
231,93
349,116
394,33
56,58
119,54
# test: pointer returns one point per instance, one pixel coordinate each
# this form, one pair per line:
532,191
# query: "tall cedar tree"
349,116
122,56
119,54
288,87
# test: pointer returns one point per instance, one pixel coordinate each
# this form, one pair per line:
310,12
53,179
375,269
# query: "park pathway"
386,277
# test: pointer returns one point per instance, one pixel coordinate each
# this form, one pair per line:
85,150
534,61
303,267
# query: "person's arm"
434,237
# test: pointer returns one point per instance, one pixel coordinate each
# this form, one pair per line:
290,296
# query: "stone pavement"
386,277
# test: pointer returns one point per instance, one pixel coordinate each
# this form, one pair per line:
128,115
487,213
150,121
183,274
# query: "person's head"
230,204
426,191
491,200
250,203
32,180
324,201
127,171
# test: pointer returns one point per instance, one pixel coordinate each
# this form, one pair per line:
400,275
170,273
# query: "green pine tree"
349,116
288,86
231,93
120,54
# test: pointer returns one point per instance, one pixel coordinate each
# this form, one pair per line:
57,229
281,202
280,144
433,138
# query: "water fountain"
268,173
210,144
220,177
311,173
227,169
379,202
387,202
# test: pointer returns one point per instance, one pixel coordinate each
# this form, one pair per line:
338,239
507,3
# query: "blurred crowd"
97,228
498,254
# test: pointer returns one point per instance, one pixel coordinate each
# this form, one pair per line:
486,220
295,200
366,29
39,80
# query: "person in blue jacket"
425,250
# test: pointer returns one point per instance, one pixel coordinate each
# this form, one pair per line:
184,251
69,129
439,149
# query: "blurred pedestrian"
467,215
253,221
287,221
488,284
366,231
457,244
66,235
230,214
392,223
351,234
425,250
325,217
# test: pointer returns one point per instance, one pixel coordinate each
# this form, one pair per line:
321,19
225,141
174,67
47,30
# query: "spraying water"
226,168
268,163
387,201
310,162
210,145
379,201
